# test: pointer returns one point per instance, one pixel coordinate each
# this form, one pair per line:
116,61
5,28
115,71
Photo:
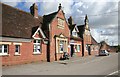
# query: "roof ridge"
51,13
18,9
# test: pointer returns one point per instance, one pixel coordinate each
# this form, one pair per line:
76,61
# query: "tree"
118,48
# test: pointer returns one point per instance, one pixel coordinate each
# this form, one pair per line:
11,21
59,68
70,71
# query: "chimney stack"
34,10
70,20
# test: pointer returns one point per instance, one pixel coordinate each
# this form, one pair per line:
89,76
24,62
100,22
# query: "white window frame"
79,48
37,47
76,48
61,44
74,34
86,47
3,48
17,53
61,23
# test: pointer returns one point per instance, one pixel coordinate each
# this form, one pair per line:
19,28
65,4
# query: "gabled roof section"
71,27
61,35
76,29
75,38
17,23
48,19
39,30
81,29
93,40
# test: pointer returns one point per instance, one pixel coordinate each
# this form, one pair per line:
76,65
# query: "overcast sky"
103,14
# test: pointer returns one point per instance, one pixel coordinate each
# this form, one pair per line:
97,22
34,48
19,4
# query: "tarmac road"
90,65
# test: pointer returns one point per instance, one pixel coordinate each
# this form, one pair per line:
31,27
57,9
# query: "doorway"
72,50
89,50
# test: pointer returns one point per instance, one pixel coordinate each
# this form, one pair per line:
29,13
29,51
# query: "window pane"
37,45
17,48
86,47
61,45
60,22
5,48
38,41
75,48
35,50
0,48
78,47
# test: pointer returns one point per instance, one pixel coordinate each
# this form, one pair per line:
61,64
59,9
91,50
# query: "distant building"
105,46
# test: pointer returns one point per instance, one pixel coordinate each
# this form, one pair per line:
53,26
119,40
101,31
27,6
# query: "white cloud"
110,39
95,34
28,3
99,0
78,8
48,7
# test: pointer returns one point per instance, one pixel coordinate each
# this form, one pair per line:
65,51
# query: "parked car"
103,53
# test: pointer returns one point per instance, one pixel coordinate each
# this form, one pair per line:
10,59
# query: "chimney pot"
34,10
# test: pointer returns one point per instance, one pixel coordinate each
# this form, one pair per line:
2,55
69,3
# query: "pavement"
89,65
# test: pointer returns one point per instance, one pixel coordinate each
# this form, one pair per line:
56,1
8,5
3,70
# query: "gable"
50,23
61,35
87,32
39,34
75,29
59,22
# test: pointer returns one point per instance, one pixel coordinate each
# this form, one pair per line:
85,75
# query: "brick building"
105,46
57,31
89,44
22,39
75,40
28,37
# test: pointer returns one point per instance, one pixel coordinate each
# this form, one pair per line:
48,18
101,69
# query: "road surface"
90,65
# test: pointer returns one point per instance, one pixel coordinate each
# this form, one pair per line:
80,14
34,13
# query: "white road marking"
113,73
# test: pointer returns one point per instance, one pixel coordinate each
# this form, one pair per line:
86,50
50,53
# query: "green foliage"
118,48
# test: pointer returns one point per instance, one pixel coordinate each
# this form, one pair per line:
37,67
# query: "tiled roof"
93,40
17,23
46,20
81,29
75,38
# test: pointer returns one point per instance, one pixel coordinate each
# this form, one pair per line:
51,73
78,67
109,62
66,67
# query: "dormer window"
74,34
60,23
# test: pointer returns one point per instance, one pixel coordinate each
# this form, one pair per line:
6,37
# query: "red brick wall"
87,40
26,51
57,31
78,42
